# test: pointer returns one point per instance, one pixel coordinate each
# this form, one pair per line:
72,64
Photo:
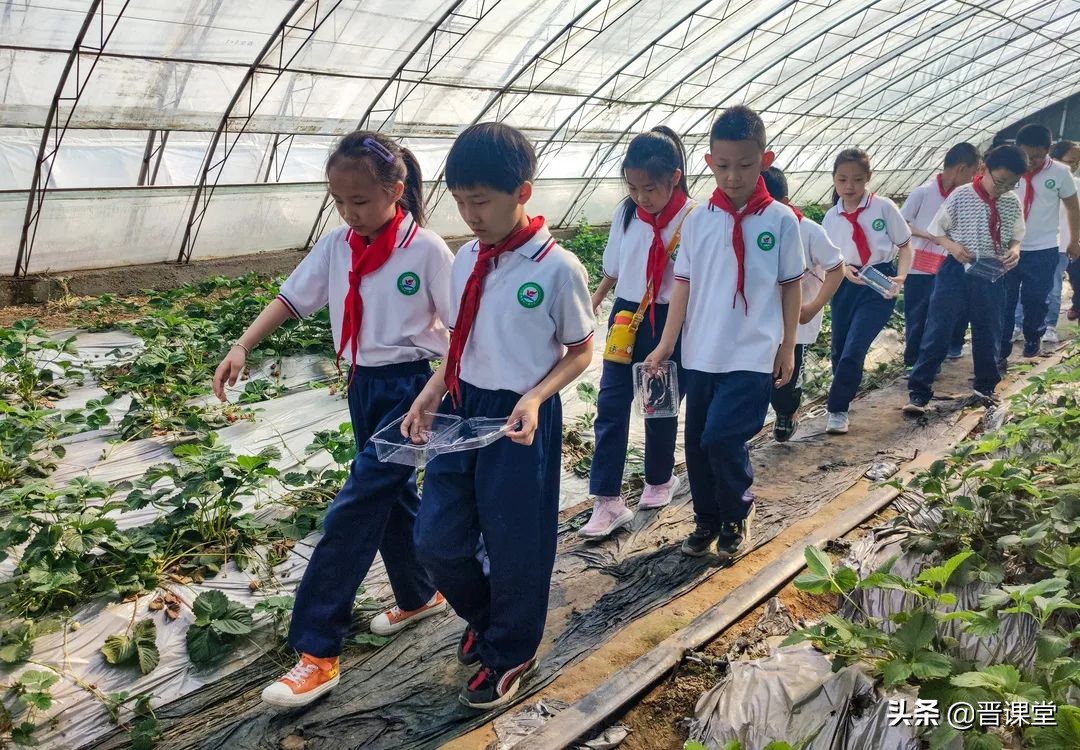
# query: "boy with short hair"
523,326
737,268
983,220
1045,185
825,271
920,208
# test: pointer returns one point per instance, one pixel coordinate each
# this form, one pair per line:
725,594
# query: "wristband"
246,350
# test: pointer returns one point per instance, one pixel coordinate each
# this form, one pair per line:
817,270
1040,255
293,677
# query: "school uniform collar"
407,231
536,249
864,203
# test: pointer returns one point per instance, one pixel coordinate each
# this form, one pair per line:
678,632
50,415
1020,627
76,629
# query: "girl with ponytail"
639,264
386,280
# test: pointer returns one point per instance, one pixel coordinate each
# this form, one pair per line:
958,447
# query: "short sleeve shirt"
535,303
720,333
626,255
1052,184
884,225
406,300
822,256
919,210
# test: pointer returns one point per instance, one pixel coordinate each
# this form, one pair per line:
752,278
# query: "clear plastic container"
393,447
876,280
986,267
467,435
657,394
448,434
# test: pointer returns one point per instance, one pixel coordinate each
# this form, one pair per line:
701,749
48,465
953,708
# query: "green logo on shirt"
530,295
408,283
878,225
1051,184
766,241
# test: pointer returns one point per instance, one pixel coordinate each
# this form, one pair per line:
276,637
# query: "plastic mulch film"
794,696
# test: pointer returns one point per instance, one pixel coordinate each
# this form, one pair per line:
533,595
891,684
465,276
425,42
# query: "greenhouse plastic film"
794,695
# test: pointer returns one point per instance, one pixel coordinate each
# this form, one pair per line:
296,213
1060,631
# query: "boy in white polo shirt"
1045,186
825,271
523,325
737,270
920,208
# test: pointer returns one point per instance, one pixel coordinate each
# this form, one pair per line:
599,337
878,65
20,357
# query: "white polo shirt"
626,256
720,333
919,210
535,303
822,256
1063,229
1053,183
406,300
884,225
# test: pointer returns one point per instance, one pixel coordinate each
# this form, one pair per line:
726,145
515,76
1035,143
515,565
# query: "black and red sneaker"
489,688
468,648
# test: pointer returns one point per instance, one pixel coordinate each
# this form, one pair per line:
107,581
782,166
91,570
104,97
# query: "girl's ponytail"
412,200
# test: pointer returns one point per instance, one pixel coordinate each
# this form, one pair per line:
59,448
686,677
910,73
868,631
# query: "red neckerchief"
858,234
759,199
1029,194
941,187
658,256
995,217
797,212
470,300
366,258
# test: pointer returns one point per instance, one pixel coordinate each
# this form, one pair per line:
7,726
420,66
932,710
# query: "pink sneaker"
658,495
608,515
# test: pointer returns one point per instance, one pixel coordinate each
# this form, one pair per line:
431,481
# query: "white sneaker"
609,515
396,619
658,495
838,423
1051,336
1018,334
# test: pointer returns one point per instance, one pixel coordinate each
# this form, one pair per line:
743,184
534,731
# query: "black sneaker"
490,689
916,405
699,542
1032,349
735,536
784,427
1003,367
468,648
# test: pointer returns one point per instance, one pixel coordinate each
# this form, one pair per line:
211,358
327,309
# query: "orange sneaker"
311,678
395,618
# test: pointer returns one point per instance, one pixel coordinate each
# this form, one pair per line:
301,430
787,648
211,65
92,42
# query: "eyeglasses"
1004,184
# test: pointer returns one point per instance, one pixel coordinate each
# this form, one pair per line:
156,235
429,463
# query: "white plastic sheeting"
902,78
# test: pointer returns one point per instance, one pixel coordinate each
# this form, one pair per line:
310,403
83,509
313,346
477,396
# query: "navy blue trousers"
954,292
509,493
374,511
917,292
612,426
858,315
1029,283
723,411
788,398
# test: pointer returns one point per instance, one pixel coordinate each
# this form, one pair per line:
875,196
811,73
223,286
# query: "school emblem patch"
766,241
530,295
1051,184
408,283
878,225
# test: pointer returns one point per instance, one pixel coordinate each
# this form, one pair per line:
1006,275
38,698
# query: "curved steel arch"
914,71
38,187
803,75
599,160
567,30
276,41
901,138
397,77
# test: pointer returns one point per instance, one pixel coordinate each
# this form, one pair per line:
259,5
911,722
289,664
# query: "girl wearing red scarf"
637,262
386,281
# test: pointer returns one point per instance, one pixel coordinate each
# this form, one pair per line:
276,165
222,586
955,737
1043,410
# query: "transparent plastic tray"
657,394
448,434
986,267
876,280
